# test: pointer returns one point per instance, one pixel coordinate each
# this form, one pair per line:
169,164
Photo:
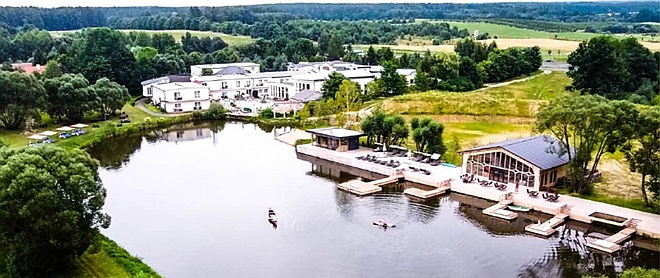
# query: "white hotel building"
181,97
244,80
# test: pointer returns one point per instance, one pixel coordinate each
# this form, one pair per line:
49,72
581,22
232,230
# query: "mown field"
177,34
520,99
510,32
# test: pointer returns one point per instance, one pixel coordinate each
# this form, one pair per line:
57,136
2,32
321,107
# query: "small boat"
272,217
384,224
518,208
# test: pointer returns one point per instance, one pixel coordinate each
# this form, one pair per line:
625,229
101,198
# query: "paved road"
140,104
554,65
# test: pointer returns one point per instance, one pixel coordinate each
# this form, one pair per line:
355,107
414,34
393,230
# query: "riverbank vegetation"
43,233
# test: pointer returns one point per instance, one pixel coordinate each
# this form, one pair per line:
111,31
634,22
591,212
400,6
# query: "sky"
179,3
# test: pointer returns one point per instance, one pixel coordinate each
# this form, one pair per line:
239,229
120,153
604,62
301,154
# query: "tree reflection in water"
115,152
569,257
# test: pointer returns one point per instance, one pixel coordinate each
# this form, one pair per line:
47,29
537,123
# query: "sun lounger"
435,159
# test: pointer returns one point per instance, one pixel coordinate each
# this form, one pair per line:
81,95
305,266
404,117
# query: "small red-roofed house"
29,68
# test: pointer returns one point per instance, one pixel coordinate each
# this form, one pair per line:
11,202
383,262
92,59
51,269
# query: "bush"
303,141
266,114
215,112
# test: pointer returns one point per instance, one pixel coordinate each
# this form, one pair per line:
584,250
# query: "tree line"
616,69
588,126
71,18
25,96
390,129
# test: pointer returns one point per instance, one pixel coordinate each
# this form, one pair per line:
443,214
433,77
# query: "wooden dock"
612,244
547,228
362,188
498,211
425,194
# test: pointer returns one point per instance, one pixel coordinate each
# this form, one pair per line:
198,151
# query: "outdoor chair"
435,160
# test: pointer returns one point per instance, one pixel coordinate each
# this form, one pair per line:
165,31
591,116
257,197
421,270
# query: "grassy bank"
177,34
107,259
520,99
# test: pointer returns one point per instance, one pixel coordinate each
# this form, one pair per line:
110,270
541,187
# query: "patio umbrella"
79,125
65,128
36,137
48,133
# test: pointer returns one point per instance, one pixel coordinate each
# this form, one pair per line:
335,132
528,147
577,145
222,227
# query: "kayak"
518,208
384,225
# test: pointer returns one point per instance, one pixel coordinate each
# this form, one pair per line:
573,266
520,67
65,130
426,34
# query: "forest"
72,18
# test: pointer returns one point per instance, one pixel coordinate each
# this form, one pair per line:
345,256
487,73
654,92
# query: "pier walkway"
611,244
582,210
547,228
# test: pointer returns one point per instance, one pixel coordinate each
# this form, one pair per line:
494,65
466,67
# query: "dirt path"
495,85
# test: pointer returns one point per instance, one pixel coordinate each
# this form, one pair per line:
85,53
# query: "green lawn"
519,99
177,34
18,138
543,87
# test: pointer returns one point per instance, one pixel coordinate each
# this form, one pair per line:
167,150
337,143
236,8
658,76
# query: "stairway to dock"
362,188
425,194
498,210
547,228
613,243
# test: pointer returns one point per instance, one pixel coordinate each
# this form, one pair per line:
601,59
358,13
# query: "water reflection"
210,223
116,152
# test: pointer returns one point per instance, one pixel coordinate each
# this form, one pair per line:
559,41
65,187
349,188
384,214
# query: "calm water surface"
193,203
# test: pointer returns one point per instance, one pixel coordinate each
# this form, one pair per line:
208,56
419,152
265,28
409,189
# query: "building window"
308,86
177,107
224,85
198,106
197,94
247,83
204,84
238,83
200,132
179,134
177,96
150,91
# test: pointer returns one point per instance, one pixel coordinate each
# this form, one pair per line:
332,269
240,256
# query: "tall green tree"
349,96
104,53
394,83
50,207
372,57
421,82
427,135
387,129
331,85
335,47
324,42
602,66
643,151
591,126
71,96
21,96
473,72
53,69
111,96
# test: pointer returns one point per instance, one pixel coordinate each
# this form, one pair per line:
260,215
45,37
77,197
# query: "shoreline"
646,224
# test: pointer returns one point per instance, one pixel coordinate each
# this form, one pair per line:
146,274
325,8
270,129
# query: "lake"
192,201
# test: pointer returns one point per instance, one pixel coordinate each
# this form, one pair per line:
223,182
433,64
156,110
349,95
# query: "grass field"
19,138
561,46
510,32
520,99
177,34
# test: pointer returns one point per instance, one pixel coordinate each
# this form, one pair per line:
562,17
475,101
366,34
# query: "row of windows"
549,177
500,159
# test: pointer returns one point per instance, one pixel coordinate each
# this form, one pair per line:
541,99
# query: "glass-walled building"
534,162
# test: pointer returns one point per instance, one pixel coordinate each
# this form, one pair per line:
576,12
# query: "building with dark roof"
334,138
532,162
